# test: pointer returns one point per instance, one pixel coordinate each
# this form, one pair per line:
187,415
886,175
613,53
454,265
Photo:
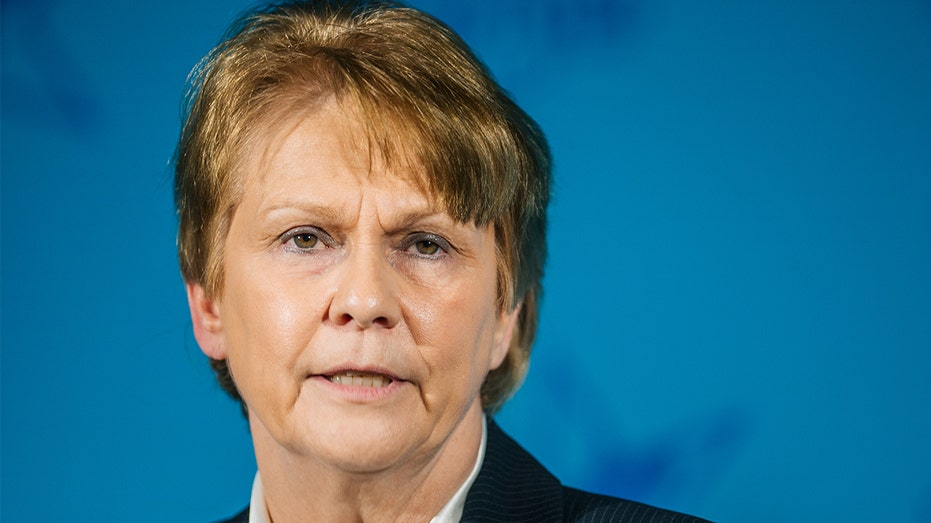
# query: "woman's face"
358,318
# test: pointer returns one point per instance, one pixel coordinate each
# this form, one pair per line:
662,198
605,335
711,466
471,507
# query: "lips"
351,378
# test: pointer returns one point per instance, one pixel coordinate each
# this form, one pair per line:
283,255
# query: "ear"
205,316
503,335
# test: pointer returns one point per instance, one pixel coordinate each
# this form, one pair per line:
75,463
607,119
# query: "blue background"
738,311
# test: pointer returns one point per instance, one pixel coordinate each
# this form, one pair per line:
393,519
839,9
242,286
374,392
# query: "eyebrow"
321,211
402,221
410,219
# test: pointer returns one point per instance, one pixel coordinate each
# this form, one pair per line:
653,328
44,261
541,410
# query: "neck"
414,488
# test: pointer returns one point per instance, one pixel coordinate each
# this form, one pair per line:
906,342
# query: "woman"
362,236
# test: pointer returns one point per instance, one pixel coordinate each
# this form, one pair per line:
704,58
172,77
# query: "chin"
362,440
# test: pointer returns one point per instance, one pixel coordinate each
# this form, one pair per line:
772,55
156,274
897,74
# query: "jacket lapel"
512,485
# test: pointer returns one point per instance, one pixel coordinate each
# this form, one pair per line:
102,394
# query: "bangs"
445,134
455,153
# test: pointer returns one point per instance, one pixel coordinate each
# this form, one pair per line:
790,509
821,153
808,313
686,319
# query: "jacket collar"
512,485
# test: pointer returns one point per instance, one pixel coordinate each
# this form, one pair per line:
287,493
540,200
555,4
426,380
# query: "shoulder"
242,517
581,506
513,486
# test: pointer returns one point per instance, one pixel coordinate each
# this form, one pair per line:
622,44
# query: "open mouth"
360,379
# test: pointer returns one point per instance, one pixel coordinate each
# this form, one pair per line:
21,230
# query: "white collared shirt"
450,513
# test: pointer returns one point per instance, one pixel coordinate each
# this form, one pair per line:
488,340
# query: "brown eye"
427,247
305,241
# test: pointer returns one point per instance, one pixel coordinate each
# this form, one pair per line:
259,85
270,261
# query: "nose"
366,291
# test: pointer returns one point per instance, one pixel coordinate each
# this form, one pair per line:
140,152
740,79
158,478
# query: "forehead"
336,137
325,153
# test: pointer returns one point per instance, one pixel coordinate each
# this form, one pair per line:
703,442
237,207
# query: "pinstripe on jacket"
513,486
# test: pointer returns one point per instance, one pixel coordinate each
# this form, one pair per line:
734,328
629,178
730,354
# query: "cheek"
269,328
454,328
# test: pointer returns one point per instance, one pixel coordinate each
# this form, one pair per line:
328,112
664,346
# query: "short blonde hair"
423,97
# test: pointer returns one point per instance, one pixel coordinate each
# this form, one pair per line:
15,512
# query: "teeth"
358,379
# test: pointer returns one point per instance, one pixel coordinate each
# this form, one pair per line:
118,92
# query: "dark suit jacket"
514,487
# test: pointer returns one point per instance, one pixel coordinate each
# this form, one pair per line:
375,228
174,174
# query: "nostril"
365,295
362,320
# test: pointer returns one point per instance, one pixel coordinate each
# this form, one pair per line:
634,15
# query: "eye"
305,240
427,247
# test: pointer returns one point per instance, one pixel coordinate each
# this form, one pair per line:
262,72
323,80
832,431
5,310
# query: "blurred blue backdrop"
738,311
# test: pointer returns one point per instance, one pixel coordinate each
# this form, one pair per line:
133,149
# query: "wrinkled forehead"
374,146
